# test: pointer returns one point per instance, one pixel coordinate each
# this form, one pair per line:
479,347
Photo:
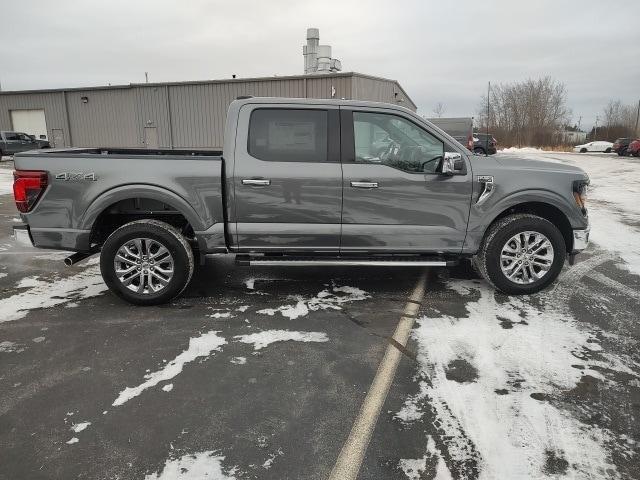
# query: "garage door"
29,121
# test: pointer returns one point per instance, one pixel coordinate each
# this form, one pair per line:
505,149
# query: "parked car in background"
599,146
14,142
634,148
620,146
484,143
460,128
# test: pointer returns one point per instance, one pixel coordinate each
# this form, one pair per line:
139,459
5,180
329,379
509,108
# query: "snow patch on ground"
324,300
41,293
414,468
197,466
168,387
221,315
263,339
72,441
239,360
513,351
521,150
250,284
201,346
78,427
10,347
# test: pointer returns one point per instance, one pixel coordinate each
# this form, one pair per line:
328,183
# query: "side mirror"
451,163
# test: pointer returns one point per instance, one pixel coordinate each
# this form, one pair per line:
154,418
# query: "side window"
11,136
394,141
288,135
24,137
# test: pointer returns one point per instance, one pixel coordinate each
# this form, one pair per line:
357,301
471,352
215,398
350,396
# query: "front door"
395,199
13,144
287,178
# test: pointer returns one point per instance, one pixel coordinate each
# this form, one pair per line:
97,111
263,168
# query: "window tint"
281,135
24,137
396,142
11,136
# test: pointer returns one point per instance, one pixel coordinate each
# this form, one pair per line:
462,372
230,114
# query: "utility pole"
146,77
486,146
579,122
637,116
595,130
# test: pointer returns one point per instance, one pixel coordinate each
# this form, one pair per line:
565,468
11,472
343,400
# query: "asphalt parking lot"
261,373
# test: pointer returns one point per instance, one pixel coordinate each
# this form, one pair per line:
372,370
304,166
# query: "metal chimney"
317,58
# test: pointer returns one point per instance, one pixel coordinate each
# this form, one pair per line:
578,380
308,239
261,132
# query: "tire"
622,152
583,150
479,151
608,150
488,259
164,280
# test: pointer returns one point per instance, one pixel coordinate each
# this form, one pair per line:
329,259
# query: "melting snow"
198,466
250,284
495,413
72,441
78,427
41,293
9,347
168,387
324,300
239,360
6,181
264,339
414,468
201,346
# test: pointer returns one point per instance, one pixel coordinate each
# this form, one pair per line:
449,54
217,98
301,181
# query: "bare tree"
618,121
439,109
528,113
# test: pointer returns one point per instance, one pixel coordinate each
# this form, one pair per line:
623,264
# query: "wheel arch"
541,209
148,201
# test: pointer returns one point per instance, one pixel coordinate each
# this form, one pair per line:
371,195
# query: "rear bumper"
580,239
22,235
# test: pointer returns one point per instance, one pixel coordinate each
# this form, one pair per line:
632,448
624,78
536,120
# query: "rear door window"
288,135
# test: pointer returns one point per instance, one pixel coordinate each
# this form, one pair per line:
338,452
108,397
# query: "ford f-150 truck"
308,183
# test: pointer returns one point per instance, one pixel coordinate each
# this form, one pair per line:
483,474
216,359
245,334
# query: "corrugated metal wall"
185,115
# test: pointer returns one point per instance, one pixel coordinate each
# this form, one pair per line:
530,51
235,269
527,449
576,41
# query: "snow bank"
263,339
197,466
521,150
6,181
498,415
201,346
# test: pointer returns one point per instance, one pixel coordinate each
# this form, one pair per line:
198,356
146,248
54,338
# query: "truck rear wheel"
521,254
146,262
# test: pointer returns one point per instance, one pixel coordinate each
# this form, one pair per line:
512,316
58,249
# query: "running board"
301,261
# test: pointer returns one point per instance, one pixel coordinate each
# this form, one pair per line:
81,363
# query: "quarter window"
288,135
394,141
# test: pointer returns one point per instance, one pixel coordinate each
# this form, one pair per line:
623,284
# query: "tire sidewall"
182,263
494,250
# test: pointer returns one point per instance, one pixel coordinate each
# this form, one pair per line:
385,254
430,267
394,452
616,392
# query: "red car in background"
634,148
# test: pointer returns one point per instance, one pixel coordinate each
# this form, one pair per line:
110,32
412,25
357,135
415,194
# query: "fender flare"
152,192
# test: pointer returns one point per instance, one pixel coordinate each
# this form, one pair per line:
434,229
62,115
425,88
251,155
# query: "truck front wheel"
146,262
521,254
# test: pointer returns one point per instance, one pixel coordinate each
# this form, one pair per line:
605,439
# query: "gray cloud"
439,51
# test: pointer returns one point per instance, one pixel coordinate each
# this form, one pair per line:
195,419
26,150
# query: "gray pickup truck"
308,183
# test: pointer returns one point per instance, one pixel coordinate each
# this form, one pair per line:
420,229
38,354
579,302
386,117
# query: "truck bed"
84,183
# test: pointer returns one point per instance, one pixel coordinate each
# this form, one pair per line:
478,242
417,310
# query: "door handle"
364,184
256,182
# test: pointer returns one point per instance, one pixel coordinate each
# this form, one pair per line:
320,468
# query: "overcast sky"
440,51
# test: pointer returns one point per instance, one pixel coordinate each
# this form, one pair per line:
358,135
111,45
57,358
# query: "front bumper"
22,235
580,239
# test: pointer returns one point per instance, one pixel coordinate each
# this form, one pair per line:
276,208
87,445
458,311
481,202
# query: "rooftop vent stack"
324,59
317,58
310,50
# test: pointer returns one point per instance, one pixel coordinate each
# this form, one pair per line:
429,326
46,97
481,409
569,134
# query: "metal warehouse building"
169,115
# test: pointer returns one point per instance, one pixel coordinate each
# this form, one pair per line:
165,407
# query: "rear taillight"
470,142
28,186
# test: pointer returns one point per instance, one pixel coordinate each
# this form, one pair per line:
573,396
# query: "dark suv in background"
14,142
621,145
484,143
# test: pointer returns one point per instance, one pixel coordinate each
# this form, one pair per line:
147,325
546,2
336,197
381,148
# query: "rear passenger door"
287,178
12,143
